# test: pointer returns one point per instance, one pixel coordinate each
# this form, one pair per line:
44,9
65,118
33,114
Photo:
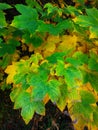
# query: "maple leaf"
68,42
11,71
90,20
25,21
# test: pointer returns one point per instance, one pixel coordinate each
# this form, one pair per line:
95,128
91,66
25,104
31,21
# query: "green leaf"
6,49
93,64
44,27
50,8
60,68
25,21
94,32
13,42
34,4
78,108
93,14
82,31
14,93
61,103
87,97
75,62
36,58
24,10
18,78
39,92
23,67
82,21
37,41
89,20
2,20
4,6
30,108
38,81
71,75
53,90
93,79
81,109
95,117
78,59
39,107
28,105
27,112
5,61
73,95
71,10
21,79
22,100
1,40
54,29
64,25
57,56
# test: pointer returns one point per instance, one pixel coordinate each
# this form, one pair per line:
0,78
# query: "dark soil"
54,119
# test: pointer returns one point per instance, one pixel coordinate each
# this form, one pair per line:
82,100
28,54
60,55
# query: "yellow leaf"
11,71
74,95
44,61
34,67
53,39
49,48
93,35
49,45
46,99
81,124
68,42
61,104
94,50
93,127
29,90
52,70
96,43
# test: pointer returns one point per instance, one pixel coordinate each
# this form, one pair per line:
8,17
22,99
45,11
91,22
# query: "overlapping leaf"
33,82
61,103
3,22
90,20
53,90
95,117
11,70
60,68
87,97
92,79
93,63
71,75
4,6
57,56
55,29
25,21
78,59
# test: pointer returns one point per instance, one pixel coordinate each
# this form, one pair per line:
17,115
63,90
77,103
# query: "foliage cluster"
51,53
